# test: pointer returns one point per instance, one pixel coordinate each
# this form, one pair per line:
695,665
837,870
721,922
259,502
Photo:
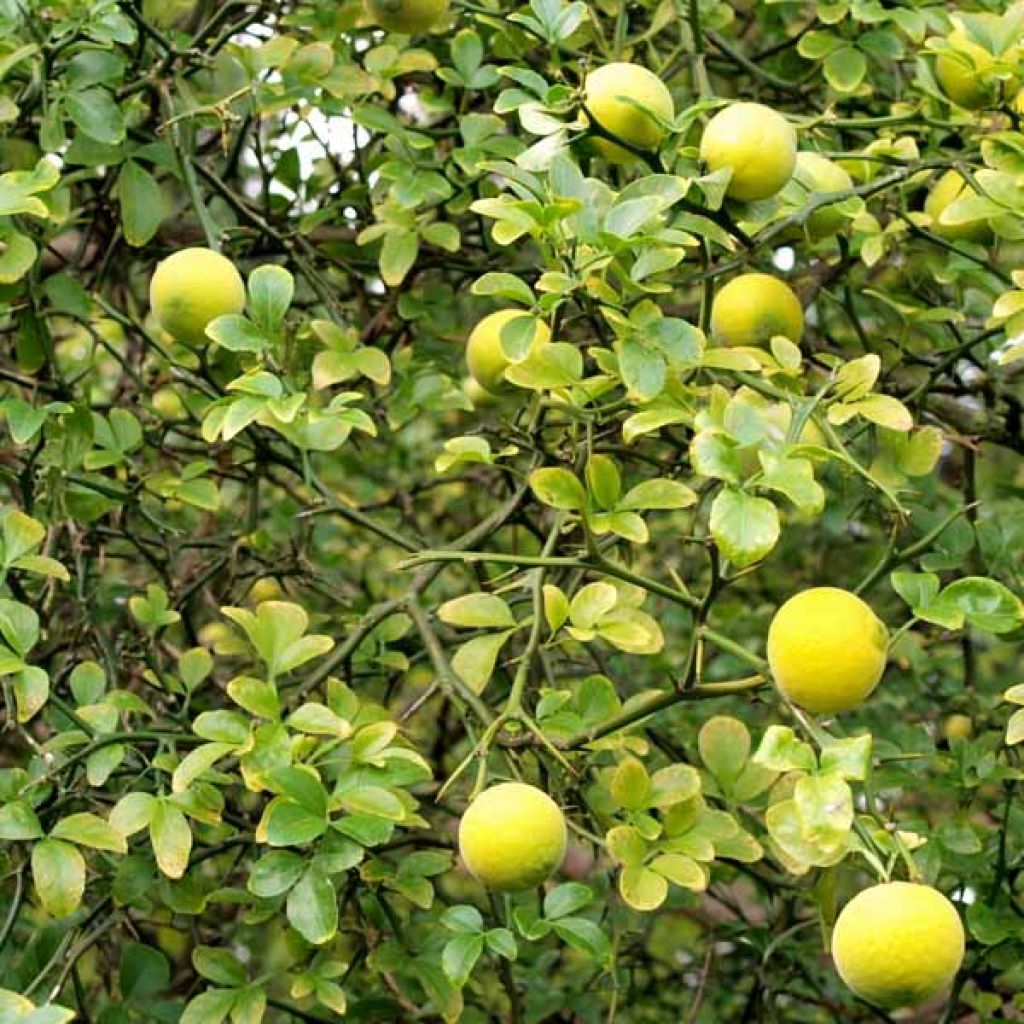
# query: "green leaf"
591,604
143,972
58,872
236,333
631,785
143,207
558,488
850,758
171,838
566,899
270,295
724,745
603,480
984,603
218,965
459,957
845,68
289,824
673,784
95,112
313,907
209,1007
642,888
463,919
88,829
275,873
781,751
824,805
477,611
681,870
397,256
658,494
19,822
584,935
474,661
745,528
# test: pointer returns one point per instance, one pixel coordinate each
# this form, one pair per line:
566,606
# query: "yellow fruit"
898,944
484,355
266,589
512,837
757,143
957,727
168,404
607,92
820,176
826,649
406,16
946,191
961,75
752,308
192,288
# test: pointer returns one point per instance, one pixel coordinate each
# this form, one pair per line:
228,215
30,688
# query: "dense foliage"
278,601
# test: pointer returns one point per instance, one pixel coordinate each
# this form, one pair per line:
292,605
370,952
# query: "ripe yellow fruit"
957,727
826,649
898,944
946,191
192,288
485,357
607,95
512,837
757,143
409,17
820,176
961,75
752,308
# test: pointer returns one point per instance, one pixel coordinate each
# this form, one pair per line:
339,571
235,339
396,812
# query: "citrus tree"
511,512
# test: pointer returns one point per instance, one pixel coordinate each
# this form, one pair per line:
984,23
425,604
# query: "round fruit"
484,355
946,191
961,75
167,403
409,17
756,143
898,944
512,837
826,649
957,727
266,589
191,289
820,176
753,308
607,95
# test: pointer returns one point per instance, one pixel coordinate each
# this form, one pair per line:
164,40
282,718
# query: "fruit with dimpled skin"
190,289
607,92
898,944
485,357
512,837
753,308
827,650
756,143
